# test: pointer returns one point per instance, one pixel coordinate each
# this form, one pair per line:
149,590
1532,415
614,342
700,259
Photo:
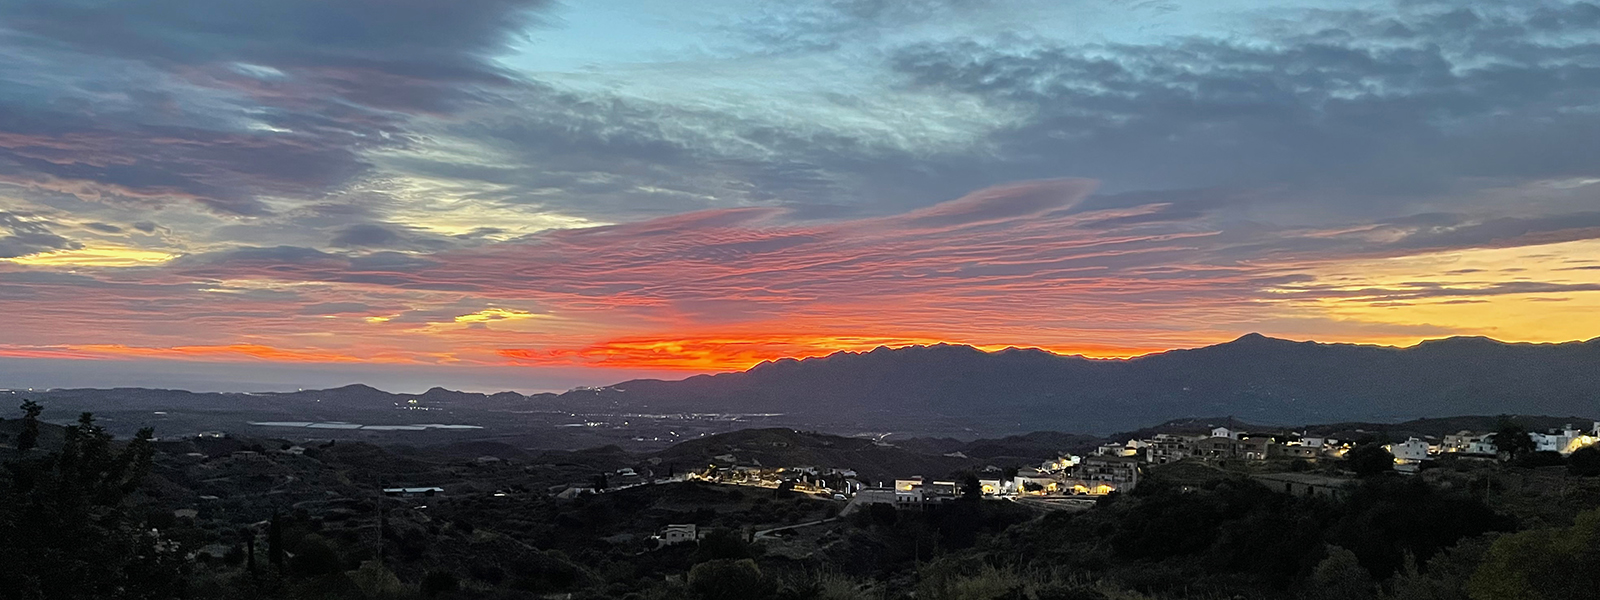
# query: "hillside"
873,461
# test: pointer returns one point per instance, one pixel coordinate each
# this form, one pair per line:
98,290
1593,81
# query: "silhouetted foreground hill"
1254,378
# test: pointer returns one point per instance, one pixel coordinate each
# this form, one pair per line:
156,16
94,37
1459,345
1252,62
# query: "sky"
534,195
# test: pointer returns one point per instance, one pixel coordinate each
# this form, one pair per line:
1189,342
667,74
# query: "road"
767,533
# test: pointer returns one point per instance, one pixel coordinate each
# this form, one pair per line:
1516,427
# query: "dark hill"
1255,378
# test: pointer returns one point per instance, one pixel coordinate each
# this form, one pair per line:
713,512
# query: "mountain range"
1255,378
954,388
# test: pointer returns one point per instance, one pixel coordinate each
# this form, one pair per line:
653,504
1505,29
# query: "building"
1306,484
1252,447
1410,452
412,491
677,534
1165,448
1467,442
995,487
1105,474
1224,432
1061,463
1565,440
1299,450
1034,482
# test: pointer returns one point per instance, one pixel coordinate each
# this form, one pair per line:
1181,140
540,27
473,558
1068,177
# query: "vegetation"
85,516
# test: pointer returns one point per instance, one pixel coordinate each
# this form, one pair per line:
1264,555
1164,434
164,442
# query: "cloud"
25,236
233,104
1376,103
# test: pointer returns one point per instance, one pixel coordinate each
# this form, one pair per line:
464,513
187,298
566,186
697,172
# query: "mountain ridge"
952,387
1253,376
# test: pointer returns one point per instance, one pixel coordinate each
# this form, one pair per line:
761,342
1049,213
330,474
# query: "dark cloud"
407,54
21,235
228,103
365,236
1450,95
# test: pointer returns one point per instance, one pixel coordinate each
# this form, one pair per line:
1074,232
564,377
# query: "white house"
1409,452
1565,440
677,534
1467,442
1224,432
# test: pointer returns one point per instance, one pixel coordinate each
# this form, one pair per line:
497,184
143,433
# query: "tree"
1370,459
65,531
971,489
1513,439
727,579
1542,564
1585,462
1340,576
29,437
722,544
275,550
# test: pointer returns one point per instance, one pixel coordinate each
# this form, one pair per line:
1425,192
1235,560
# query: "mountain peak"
1254,338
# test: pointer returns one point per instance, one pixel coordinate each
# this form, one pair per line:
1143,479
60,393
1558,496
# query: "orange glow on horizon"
737,353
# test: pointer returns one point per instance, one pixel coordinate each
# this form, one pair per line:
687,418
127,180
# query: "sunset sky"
531,195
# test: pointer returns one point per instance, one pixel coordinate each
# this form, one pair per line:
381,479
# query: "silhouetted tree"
28,438
1513,439
1369,459
971,489
64,529
275,548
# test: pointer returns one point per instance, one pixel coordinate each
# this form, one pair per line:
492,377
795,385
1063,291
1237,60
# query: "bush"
1542,564
1544,458
1585,462
438,582
726,579
1370,459
314,557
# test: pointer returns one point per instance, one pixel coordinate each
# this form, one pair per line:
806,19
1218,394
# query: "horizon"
539,195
